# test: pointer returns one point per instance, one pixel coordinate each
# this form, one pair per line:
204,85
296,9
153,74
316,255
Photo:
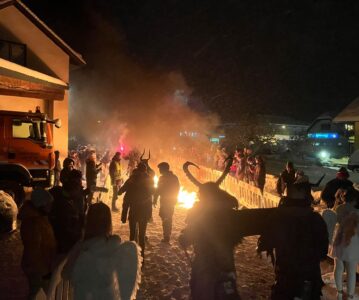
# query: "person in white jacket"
346,247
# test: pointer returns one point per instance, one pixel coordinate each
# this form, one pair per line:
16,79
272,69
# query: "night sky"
295,58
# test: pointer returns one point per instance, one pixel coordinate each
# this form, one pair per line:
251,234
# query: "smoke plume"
115,100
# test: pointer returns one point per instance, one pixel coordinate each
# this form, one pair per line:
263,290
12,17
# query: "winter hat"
342,173
41,198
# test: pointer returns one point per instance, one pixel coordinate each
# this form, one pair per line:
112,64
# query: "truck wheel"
14,189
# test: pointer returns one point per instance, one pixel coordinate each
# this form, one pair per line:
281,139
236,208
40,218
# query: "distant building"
327,136
34,67
284,128
349,118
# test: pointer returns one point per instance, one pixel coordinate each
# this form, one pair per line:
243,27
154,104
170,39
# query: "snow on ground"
314,172
166,270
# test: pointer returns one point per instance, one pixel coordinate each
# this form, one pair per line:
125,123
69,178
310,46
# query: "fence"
247,194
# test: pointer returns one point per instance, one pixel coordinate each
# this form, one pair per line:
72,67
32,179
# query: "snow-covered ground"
167,269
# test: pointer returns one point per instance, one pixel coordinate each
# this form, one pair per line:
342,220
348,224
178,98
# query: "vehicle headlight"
324,154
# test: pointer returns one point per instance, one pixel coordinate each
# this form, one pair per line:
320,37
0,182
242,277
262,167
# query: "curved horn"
142,154
149,154
226,170
188,173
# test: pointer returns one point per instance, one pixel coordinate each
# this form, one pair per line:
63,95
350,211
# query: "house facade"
34,67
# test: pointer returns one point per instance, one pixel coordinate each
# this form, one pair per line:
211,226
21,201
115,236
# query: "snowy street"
166,271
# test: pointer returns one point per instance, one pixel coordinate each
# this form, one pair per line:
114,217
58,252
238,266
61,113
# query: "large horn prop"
188,173
142,154
226,170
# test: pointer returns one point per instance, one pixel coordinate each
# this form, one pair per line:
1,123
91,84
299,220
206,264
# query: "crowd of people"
65,227
246,166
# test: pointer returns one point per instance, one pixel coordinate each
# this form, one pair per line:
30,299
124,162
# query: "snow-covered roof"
75,57
11,69
350,113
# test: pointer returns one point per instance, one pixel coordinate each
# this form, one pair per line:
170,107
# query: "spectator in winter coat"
250,166
167,190
286,179
39,241
92,169
330,217
259,173
340,182
346,246
349,205
241,165
116,177
68,167
137,203
68,212
300,239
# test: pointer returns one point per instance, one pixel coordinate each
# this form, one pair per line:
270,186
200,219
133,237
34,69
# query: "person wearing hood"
341,181
167,190
38,240
68,166
137,203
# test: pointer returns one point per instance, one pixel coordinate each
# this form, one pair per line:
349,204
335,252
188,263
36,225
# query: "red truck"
27,156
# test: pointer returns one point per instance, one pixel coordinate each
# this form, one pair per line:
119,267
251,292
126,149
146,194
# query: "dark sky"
284,57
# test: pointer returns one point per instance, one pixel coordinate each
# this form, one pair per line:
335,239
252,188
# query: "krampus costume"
210,231
137,203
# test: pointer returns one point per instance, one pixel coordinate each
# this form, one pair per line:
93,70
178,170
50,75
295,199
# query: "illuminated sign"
323,135
214,140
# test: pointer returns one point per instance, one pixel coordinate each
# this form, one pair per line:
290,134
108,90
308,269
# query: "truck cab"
26,151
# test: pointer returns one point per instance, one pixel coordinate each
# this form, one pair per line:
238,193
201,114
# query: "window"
28,130
349,127
14,52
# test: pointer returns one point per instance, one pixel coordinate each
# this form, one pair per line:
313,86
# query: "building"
34,67
349,118
329,137
284,128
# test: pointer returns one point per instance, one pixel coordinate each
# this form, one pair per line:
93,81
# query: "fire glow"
185,199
